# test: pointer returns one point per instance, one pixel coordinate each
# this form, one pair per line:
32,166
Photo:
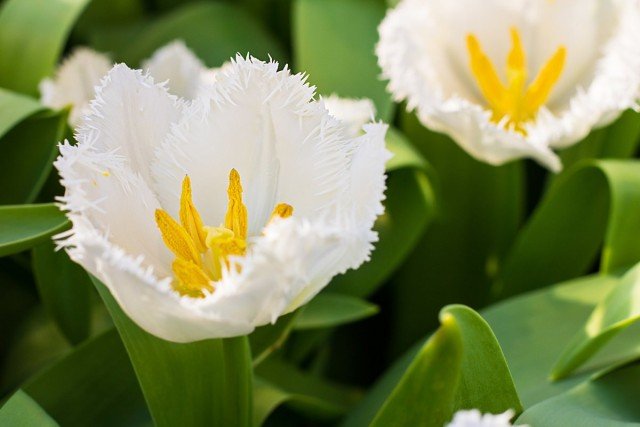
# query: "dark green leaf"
301,391
94,385
328,310
64,288
14,108
200,383
596,201
28,153
404,154
25,226
267,339
21,410
333,35
32,35
214,31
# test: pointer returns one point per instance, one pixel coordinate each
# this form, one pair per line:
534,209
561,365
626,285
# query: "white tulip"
210,217
508,79
474,418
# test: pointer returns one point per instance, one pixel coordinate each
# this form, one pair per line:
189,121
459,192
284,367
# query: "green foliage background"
544,264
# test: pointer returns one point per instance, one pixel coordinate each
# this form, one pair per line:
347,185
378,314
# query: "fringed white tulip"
474,418
208,218
511,79
76,79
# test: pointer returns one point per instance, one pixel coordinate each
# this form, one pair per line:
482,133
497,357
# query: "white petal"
262,122
353,112
75,81
179,67
474,418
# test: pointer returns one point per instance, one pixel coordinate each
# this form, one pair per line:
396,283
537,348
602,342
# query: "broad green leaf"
214,31
93,385
303,392
32,36
534,329
22,410
64,288
329,309
425,394
619,310
28,151
593,206
201,383
333,35
268,339
607,401
479,211
618,140
14,108
25,226
483,377
409,208
101,14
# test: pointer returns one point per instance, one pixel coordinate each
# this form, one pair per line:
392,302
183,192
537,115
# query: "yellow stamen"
189,216
282,210
514,101
176,238
236,217
202,253
191,279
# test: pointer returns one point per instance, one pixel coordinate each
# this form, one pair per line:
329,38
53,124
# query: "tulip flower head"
207,218
513,79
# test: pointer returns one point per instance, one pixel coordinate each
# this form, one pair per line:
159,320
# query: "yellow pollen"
516,102
202,252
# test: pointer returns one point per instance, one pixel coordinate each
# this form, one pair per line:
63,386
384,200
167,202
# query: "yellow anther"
282,210
202,253
236,217
176,238
190,280
189,216
514,101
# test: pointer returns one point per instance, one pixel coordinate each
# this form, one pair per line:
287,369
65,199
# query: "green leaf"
607,401
25,226
483,379
14,108
534,329
94,385
268,339
32,35
619,310
214,31
426,392
200,383
302,391
333,35
329,309
28,151
595,201
409,208
479,211
405,155
64,289
22,410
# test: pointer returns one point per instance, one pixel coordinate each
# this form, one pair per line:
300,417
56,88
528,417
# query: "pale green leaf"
21,410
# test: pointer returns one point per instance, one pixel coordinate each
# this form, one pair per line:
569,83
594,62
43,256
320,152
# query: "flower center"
515,101
202,252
